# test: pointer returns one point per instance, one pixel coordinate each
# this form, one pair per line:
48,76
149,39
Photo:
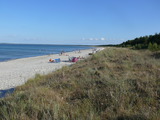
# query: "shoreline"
44,54
18,71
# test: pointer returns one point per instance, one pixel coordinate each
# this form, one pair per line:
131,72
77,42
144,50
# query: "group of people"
71,59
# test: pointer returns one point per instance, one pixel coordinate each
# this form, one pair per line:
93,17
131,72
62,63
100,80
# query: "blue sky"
77,21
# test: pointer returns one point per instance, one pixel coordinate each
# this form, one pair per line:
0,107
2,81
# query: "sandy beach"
16,72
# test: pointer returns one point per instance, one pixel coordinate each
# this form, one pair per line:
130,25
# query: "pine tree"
155,47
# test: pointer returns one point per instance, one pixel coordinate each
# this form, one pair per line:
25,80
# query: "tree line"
151,42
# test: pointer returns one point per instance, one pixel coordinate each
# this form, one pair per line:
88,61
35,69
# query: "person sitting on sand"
63,53
80,57
79,51
51,60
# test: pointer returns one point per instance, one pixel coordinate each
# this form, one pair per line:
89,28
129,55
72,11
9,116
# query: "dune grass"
113,84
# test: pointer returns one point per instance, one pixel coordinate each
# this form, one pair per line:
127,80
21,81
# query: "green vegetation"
151,42
116,83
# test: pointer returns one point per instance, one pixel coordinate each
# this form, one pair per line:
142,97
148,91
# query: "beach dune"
16,72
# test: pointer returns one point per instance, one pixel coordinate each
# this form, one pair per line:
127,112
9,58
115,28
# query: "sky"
83,22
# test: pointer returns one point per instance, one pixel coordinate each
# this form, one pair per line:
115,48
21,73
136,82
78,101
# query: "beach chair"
75,59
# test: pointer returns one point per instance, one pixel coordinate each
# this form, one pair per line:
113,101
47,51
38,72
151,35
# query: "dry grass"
112,84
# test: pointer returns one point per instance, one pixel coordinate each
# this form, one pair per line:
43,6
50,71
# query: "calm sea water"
15,51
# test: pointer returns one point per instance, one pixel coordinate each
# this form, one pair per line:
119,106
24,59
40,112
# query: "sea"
16,51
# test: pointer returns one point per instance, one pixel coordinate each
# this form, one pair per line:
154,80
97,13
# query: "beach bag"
57,60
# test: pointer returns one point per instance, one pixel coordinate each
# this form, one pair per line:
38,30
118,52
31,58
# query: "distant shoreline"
50,44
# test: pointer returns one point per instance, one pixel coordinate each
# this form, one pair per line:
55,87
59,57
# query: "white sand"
16,72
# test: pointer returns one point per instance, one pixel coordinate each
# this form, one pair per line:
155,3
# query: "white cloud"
91,38
102,38
95,39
